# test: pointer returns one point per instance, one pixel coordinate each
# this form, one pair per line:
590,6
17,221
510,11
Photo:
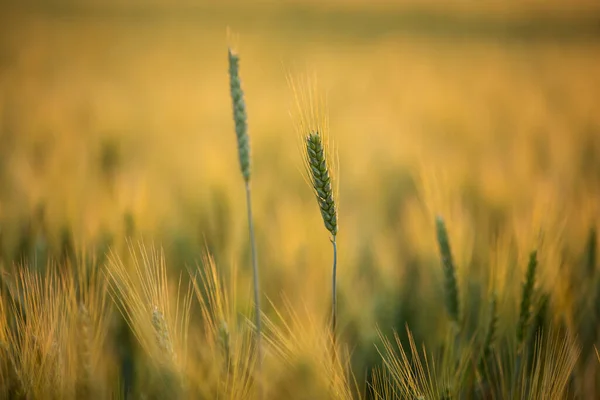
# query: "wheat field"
120,184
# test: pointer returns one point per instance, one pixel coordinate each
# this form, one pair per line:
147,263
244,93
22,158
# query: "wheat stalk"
320,166
243,142
321,184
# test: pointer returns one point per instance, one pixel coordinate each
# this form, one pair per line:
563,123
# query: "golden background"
117,116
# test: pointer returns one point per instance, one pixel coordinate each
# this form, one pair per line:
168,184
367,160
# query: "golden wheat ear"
227,343
156,309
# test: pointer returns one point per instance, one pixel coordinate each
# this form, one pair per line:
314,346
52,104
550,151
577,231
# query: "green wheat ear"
527,293
490,335
590,252
318,156
321,181
451,285
239,114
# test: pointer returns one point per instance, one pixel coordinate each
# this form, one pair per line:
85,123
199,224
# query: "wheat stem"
243,142
334,292
255,276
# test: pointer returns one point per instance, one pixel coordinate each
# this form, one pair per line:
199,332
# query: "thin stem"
256,283
333,292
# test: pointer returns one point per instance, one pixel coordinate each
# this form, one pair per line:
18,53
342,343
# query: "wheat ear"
239,113
243,142
161,331
313,130
84,322
321,183
451,285
525,308
490,335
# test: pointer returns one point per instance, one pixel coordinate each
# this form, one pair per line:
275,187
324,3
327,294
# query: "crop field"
460,189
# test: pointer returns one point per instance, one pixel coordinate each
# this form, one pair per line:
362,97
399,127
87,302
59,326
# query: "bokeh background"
116,121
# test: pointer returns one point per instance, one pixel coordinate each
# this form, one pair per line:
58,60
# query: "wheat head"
239,113
318,155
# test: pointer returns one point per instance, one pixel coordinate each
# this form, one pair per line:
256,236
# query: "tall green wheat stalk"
243,141
320,166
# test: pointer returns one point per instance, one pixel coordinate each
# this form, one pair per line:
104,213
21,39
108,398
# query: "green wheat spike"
525,308
490,336
321,181
239,114
451,285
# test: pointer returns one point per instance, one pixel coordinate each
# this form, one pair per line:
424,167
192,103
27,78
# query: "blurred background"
116,121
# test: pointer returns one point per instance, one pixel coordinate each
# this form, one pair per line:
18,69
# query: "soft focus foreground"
116,124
